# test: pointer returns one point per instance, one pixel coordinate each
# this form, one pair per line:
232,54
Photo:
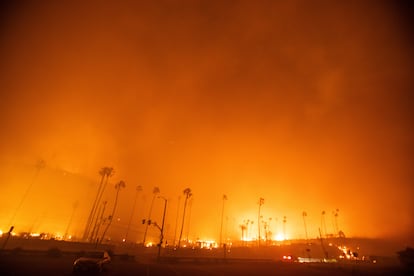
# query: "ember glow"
306,104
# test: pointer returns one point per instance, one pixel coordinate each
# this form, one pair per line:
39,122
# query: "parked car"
91,262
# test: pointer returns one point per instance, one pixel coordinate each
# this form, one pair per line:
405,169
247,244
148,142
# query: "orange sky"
307,104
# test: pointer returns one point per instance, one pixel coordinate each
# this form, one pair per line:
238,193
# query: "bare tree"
121,184
187,193
155,192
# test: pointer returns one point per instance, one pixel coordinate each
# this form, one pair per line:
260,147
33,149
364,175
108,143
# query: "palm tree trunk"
221,226
182,224
112,215
93,210
176,219
98,222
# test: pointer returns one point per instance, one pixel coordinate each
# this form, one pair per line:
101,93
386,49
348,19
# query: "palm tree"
176,219
190,204
243,228
95,204
284,227
155,191
121,184
261,202
187,193
105,173
304,215
138,189
98,221
323,224
222,215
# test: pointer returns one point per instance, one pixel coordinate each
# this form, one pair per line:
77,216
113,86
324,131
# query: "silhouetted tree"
105,173
190,205
323,224
98,221
121,184
176,219
187,193
243,228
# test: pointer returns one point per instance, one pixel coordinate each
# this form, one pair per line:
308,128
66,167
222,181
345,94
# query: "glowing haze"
307,104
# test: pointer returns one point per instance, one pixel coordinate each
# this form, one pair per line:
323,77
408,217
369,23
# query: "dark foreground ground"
42,264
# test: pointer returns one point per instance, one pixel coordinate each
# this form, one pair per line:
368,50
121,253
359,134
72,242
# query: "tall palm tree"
176,218
137,189
261,202
105,173
243,228
222,215
187,193
155,192
98,221
323,224
284,227
189,204
94,206
121,184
